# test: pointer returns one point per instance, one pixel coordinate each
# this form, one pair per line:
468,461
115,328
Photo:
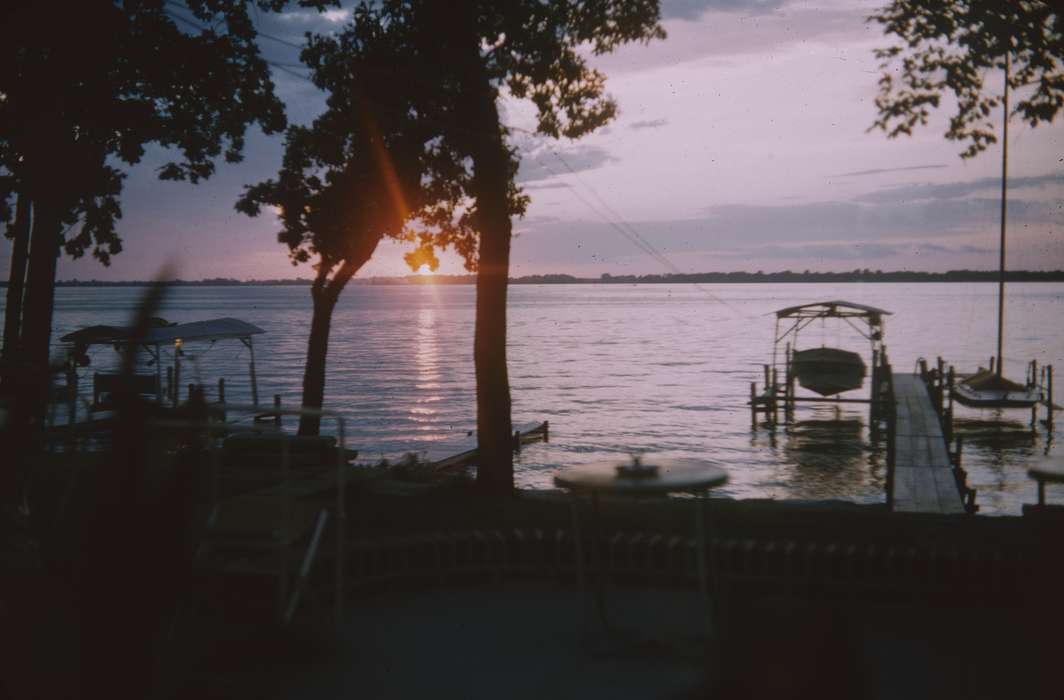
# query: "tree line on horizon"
743,277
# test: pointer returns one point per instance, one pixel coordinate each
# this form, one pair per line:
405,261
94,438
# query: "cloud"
546,162
693,9
729,29
855,251
648,124
830,230
336,15
877,171
956,190
332,16
549,186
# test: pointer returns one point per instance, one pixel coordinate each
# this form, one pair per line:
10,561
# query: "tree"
951,46
82,95
371,166
469,53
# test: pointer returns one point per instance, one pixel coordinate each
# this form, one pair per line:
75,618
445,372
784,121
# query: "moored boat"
988,389
828,371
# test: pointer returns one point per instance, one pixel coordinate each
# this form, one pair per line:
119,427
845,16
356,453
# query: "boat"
828,371
824,370
989,388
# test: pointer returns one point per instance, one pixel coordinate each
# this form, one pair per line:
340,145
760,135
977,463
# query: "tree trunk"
317,349
495,473
29,384
324,294
40,286
16,283
36,327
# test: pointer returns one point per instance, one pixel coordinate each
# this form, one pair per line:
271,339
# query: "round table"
673,476
1049,469
604,478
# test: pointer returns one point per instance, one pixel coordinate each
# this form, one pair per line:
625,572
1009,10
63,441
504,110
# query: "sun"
425,271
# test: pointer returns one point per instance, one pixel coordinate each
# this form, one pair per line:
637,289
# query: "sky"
741,143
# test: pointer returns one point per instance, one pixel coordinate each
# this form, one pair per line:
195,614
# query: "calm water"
662,369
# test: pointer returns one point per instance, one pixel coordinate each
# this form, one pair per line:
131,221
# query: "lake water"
621,369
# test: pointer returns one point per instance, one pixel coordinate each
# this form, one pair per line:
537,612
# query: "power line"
279,40
611,217
633,235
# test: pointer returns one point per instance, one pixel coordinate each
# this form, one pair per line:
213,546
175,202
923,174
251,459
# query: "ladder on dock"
922,477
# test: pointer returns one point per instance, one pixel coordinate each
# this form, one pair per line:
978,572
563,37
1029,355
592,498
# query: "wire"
629,232
610,216
279,40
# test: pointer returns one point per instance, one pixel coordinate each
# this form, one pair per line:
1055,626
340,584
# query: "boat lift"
153,341
827,371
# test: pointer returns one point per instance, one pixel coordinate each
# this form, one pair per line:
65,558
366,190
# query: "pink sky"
741,144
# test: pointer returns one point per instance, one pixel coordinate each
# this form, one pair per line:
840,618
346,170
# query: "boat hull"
828,371
1025,397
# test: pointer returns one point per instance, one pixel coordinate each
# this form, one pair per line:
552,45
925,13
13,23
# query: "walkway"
923,476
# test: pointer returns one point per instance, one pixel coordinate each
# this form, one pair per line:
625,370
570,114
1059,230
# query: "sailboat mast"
1004,207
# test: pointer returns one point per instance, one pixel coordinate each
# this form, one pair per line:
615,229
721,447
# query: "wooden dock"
462,454
923,478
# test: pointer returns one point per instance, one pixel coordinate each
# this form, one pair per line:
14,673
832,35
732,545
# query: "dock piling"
1049,397
753,404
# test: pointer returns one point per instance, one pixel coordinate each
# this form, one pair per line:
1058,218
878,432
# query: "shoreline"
785,277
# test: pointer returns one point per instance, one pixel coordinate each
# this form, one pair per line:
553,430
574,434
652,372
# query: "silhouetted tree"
949,47
470,52
18,231
87,88
371,166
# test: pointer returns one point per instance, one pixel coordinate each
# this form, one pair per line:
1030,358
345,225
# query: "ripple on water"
659,369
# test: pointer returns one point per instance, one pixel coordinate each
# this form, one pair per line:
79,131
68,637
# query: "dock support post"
177,376
788,386
277,410
1049,397
170,383
753,405
251,370
939,381
873,396
775,398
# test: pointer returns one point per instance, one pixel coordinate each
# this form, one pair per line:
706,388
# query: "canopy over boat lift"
801,316
175,335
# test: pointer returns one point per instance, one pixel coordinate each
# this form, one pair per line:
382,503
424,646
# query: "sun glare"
424,271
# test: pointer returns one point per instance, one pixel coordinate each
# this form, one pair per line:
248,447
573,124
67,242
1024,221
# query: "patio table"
665,476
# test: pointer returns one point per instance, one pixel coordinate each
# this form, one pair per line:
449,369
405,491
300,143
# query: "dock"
462,454
922,479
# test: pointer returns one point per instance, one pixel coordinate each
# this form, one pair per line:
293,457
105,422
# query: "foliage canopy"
85,92
951,47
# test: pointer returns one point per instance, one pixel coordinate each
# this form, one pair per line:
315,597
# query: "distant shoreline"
694,278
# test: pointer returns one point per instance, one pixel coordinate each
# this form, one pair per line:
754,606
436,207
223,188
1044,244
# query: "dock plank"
923,476
463,453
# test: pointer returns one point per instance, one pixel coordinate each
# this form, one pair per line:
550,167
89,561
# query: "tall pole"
1004,207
